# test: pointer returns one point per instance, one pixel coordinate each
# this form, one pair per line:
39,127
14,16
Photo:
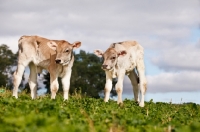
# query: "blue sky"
169,31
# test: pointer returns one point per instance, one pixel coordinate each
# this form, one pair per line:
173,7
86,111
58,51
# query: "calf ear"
98,53
52,45
76,44
122,53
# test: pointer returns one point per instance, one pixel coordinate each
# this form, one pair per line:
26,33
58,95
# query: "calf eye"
113,58
67,50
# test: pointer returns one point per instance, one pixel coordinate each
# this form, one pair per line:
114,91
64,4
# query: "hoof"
141,104
15,96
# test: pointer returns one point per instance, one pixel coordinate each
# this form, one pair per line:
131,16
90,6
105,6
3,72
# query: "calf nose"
104,66
57,61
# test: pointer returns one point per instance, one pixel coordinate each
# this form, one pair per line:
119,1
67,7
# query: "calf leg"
33,80
119,87
17,77
66,84
53,85
143,83
108,86
134,81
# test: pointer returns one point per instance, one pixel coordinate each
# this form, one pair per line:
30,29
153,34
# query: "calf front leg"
66,84
108,86
119,87
54,86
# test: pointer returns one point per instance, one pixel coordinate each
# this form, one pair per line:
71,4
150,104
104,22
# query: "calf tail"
20,44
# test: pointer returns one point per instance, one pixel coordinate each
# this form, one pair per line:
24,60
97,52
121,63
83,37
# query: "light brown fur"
41,53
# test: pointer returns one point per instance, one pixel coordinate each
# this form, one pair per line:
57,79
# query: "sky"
168,30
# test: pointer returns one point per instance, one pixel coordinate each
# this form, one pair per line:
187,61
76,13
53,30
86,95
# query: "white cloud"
154,24
11,41
169,82
174,82
179,58
198,44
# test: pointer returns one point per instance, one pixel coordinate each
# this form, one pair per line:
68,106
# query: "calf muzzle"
57,61
104,66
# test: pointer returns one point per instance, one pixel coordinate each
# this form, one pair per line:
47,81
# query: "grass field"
83,114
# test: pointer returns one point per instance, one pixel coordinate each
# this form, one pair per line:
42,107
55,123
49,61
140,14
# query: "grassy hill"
83,114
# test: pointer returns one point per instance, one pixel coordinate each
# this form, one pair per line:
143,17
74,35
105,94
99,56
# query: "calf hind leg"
17,77
33,80
134,81
143,83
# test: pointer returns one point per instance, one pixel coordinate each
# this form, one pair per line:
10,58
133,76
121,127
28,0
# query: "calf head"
64,50
110,57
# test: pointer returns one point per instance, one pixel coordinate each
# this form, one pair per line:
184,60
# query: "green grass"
83,114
